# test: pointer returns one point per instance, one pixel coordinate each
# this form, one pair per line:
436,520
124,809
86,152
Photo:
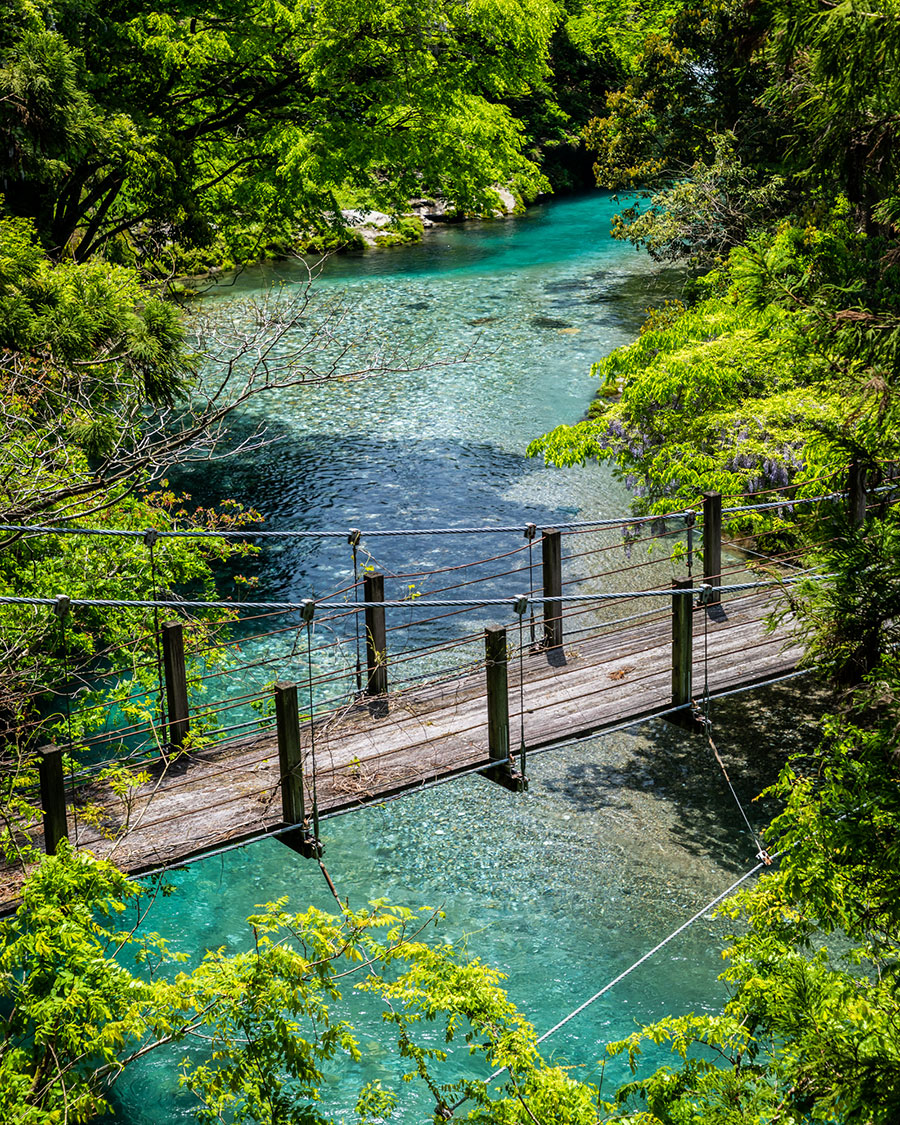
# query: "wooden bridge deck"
230,792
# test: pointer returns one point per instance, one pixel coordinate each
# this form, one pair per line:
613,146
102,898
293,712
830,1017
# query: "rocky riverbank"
376,230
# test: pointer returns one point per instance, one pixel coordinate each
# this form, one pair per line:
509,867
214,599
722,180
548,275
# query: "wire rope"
451,1110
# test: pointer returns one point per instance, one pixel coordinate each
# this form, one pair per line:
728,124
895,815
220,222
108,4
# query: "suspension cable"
451,1110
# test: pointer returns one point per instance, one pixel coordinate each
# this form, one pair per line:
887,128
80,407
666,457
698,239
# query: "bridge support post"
290,766
712,544
856,494
376,636
53,797
496,666
682,653
290,758
551,556
172,636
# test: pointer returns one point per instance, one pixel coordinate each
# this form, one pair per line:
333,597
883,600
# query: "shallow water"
619,839
442,447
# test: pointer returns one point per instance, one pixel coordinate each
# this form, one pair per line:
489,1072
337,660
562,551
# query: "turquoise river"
619,838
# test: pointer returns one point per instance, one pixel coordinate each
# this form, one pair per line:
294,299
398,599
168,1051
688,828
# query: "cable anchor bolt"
530,530
62,605
354,536
151,537
705,594
307,610
520,604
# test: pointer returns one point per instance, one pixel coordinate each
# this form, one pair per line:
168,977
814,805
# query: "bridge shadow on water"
658,763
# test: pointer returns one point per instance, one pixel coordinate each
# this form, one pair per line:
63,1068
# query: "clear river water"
619,839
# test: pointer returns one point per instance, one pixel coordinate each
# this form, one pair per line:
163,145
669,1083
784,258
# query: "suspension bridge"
322,705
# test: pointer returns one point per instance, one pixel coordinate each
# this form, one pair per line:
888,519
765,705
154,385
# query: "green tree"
87,991
143,123
782,374
100,392
836,81
698,74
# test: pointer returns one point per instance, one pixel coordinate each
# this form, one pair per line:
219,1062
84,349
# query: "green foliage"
809,91
88,991
836,79
89,365
851,623
695,75
180,125
815,1007
92,331
772,383
72,1011
715,208
110,657
403,231
622,26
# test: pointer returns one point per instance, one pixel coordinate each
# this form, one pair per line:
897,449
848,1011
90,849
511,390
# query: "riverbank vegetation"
768,136
142,141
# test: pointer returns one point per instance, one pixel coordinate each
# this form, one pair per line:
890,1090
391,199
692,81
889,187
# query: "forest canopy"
130,126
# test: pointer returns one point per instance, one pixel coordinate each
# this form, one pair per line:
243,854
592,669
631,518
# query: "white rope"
646,957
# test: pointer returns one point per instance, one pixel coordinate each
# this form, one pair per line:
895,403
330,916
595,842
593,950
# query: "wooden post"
856,494
551,554
712,544
503,772
376,636
497,692
53,797
176,682
290,758
682,642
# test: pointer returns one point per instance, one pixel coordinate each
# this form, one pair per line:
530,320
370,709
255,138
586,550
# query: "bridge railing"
188,681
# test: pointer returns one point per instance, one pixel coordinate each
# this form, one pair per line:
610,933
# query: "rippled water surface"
532,301
620,838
